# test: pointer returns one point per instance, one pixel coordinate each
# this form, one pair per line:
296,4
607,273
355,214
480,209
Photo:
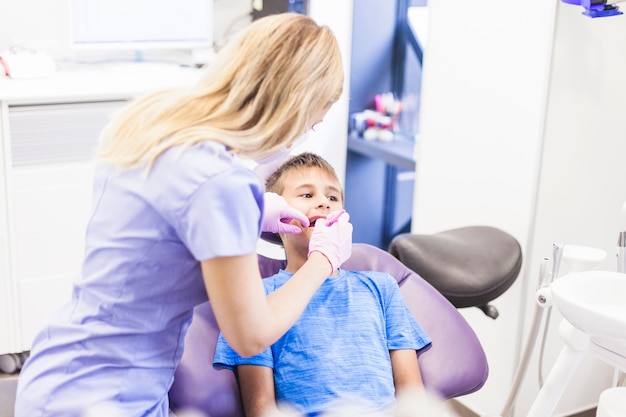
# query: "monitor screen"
141,24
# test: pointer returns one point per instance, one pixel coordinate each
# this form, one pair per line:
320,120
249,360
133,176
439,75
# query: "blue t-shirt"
121,336
339,348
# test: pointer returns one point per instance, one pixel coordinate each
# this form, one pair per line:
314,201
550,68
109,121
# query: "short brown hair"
304,160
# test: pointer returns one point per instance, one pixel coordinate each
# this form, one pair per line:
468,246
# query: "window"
411,39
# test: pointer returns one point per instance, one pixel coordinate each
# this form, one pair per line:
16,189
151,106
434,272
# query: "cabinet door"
8,324
6,333
49,187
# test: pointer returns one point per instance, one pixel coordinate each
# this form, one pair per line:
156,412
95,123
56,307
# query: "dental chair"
454,365
470,266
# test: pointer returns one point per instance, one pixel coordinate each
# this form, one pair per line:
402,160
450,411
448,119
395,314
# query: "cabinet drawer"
57,133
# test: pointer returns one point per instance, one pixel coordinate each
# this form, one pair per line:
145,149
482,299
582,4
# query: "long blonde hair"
262,92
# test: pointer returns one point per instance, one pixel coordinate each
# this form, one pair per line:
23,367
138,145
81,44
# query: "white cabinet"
48,170
46,166
6,305
52,149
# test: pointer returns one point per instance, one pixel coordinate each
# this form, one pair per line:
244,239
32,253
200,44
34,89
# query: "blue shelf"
378,198
399,152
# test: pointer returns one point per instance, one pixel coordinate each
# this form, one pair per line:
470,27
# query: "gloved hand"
332,237
278,214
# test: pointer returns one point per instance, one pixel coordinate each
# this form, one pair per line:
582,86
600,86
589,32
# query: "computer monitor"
141,24
262,8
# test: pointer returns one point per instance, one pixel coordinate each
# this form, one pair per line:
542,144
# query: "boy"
355,341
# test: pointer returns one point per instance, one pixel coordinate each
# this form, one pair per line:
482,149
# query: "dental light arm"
597,8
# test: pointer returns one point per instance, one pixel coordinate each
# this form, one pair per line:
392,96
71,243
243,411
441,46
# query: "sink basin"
595,303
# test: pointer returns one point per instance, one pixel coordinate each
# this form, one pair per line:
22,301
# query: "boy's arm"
406,371
256,384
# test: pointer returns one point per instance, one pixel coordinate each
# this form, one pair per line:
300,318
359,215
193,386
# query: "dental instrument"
621,243
557,255
577,258
335,218
542,300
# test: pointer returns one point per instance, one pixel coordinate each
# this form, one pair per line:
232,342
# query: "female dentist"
176,217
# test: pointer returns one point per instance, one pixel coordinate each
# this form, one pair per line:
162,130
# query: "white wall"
583,177
519,138
330,138
483,98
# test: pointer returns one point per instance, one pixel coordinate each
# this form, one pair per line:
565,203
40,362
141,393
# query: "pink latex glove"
278,214
332,237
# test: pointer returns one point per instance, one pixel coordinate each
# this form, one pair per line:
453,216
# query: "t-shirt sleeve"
223,216
226,357
403,331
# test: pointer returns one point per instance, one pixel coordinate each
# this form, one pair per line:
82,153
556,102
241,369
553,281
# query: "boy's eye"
307,195
333,198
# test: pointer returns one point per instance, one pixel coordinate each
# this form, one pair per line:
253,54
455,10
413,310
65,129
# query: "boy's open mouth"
312,220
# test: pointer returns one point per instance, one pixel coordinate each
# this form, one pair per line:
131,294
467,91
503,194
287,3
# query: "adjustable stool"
470,266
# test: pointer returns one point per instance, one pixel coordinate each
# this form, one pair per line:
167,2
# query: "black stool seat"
470,266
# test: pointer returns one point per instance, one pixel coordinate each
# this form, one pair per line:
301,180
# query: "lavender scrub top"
121,336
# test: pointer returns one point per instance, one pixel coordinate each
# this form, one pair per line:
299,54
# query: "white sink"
595,303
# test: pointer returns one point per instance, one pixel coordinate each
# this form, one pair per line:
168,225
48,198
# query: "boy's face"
315,193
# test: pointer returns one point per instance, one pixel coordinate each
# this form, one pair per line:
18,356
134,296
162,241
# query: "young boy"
356,340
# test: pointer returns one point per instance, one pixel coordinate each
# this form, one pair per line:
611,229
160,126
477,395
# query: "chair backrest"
454,365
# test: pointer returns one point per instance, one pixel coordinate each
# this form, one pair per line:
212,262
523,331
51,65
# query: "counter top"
96,81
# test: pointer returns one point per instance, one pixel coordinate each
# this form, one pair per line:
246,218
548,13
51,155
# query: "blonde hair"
261,93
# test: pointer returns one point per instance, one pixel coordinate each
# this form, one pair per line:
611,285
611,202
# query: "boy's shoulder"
273,282
380,279
375,276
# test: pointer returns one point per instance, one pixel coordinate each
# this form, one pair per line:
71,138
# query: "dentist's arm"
251,321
